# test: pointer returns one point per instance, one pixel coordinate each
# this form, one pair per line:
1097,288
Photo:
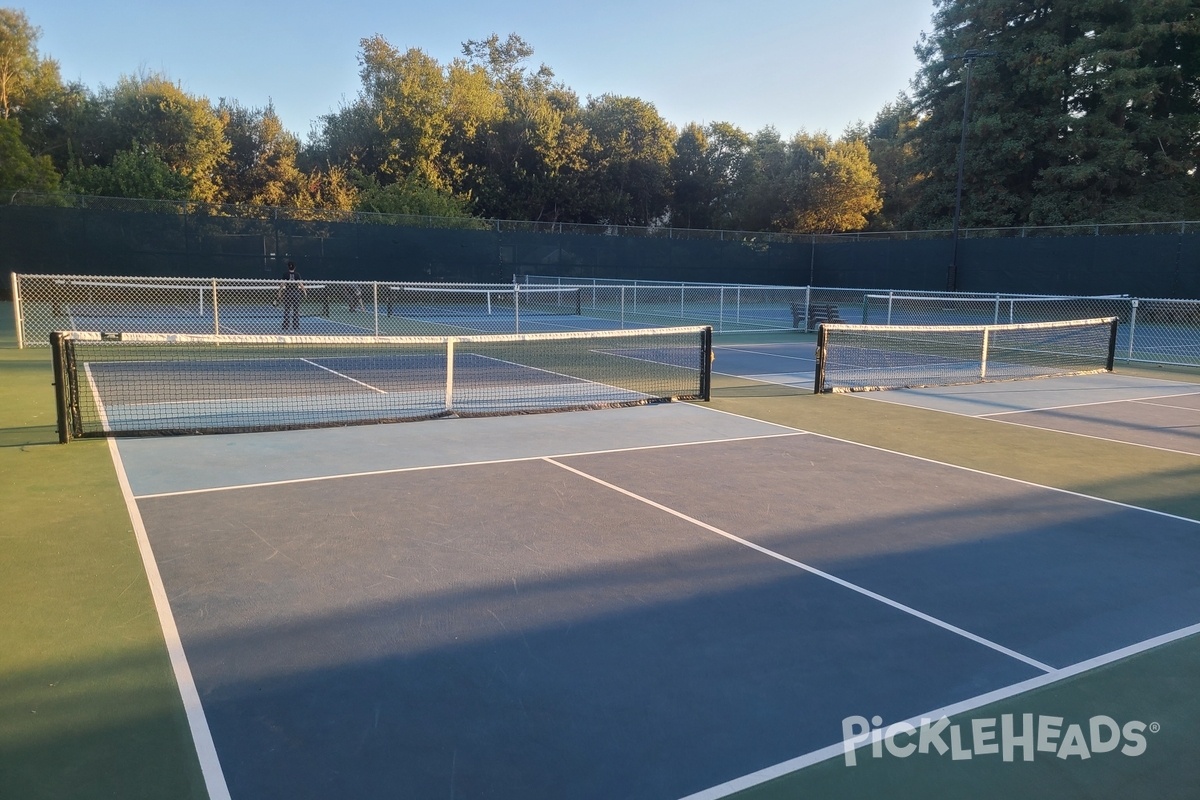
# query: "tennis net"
899,308
463,301
865,357
136,384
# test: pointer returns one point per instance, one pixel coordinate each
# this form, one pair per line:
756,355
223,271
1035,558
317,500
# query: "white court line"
397,470
712,410
994,474
1108,439
985,417
1029,425
101,411
954,709
347,377
1081,495
1085,405
999,648
1167,405
206,751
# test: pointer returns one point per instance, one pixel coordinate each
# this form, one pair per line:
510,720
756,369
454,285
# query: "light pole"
968,58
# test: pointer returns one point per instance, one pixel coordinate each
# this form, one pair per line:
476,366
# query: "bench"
817,313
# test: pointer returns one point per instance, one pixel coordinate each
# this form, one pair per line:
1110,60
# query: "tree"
20,169
704,172
1086,112
406,96
758,188
890,142
831,186
527,156
260,166
151,116
1135,109
630,156
408,196
19,62
31,90
810,184
329,188
137,172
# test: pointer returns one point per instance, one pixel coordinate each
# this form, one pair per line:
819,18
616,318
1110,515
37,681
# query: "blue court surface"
649,602
1118,407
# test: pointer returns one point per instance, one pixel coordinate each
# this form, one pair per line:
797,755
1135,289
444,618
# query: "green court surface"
88,702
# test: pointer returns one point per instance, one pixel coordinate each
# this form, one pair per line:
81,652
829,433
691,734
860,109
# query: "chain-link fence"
728,308
1150,330
46,303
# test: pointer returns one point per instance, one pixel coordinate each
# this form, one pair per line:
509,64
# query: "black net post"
62,386
706,360
1112,343
819,378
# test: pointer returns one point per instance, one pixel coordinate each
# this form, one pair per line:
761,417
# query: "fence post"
216,314
449,406
20,323
1133,307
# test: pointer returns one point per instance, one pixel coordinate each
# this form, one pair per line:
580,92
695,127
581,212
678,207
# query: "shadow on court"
573,626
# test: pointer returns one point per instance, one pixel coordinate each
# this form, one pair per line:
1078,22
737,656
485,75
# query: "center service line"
819,573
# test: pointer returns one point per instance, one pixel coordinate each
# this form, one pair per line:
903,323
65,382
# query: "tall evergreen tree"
890,141
1084,111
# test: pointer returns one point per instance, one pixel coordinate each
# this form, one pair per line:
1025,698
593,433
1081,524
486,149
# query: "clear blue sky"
793,64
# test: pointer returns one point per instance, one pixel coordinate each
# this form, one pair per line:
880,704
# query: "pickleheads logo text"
1008,738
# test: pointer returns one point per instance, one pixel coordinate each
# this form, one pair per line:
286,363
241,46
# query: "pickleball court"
640,602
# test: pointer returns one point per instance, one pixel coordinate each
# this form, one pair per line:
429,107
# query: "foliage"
890,141
832,186
260,166
1082,111
1088,111
810,184
137,172
408,196
20,169
631,150
704,173
19,62
528,150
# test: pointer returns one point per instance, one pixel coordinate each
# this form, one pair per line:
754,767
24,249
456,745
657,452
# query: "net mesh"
866,357
425,302
909,309
145,384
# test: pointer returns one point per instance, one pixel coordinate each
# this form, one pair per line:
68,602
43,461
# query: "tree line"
1081,112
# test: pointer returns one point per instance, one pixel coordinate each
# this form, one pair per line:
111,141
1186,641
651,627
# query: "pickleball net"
137,384
866,357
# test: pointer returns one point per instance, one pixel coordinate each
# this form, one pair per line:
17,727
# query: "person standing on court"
291,290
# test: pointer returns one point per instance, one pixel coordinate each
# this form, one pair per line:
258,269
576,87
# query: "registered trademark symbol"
1155,727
